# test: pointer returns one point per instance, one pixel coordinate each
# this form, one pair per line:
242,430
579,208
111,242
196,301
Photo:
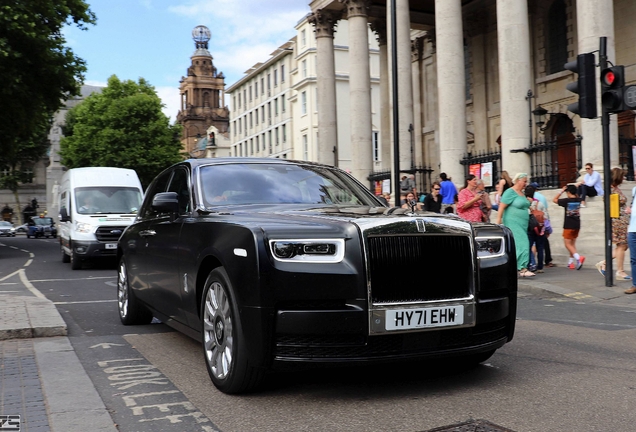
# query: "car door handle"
147,233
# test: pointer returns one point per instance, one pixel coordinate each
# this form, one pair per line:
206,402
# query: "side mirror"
64,215
166,202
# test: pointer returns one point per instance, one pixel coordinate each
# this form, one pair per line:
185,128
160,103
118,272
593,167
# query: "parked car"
41,227
269,261
22,228
7,229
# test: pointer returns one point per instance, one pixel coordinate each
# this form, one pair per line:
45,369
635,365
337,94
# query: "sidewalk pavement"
43,381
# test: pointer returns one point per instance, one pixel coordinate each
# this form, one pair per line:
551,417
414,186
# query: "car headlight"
313,251
83,227
490,247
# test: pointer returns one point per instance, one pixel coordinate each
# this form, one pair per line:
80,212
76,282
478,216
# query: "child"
571,223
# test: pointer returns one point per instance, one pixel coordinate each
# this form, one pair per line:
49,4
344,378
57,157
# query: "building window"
251,147
269,139
275,78
303,103
257,146
304,68
276,134
557,37
263,114
233,102
245,97
239,105
269,84
276,107
303,38
240,126
256,117
376,146
262,86
282,73
256,89
251,124
250,93
305,147
284,131
282,103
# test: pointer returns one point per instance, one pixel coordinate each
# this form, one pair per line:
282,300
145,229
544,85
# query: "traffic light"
612,88
584,86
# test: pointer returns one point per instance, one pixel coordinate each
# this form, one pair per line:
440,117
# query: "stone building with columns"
469,75
275,106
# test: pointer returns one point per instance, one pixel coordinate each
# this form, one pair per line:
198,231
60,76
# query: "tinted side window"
159,185
179,184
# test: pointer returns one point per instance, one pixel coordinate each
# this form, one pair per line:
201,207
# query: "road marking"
84,302
29,286
76,279
28,263
106,345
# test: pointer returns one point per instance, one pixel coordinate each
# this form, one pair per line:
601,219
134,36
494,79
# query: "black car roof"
237,160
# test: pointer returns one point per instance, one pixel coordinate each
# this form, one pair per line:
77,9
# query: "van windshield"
107,200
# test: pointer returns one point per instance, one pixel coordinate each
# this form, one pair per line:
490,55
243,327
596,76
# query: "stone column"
359,89
451,87
595,18
513,37
405,80
324,23
379,27
417,48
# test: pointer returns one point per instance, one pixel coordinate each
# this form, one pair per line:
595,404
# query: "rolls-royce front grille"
415,268
109,233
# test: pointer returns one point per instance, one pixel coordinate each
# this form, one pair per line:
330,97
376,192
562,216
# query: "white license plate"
111,245
405,319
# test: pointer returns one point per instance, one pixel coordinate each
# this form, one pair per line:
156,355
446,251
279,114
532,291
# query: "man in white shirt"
591,184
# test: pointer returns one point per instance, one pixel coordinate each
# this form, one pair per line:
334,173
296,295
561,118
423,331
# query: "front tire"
131,312
224,346
65,258
76,261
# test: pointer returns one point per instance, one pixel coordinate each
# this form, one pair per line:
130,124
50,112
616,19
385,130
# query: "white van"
96,205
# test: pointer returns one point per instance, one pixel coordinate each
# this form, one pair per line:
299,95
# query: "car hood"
276,217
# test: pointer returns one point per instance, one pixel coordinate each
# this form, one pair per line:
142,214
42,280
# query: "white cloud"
170,98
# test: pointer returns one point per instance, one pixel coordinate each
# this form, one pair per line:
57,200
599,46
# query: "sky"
152,39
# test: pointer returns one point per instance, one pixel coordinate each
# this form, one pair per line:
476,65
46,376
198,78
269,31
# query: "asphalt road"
570,368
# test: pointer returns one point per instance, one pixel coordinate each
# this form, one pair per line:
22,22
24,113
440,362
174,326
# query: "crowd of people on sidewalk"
524,210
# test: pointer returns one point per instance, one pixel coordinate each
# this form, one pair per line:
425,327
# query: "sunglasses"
436,189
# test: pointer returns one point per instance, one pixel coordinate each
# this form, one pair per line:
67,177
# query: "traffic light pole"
607,175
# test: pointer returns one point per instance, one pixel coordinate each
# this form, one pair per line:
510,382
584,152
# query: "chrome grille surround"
405,267
109,233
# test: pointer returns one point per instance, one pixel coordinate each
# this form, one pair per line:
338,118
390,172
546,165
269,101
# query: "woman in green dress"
513,210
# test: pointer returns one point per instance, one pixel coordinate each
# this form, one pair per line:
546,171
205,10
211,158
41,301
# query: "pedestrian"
448,191
407,184
619,228
548,225
571,223
468,201
591,185
484,205
536,235
513,212
433,201
410,202
502,185
631,241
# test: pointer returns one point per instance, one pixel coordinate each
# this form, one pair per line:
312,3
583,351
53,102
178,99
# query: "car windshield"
107,200
262,183
46,221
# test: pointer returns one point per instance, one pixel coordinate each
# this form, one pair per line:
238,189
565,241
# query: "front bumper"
94,249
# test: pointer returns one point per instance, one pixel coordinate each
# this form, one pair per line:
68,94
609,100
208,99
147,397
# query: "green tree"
123,126
38,73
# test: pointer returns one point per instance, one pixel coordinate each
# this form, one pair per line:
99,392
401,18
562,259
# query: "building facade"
470,74
275,106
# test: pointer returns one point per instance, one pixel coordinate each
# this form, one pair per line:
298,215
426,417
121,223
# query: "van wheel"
65,257
76,262
130,310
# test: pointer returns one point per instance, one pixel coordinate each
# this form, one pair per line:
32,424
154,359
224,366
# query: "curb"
25,317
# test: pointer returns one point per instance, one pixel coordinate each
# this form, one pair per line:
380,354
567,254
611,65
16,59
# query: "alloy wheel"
217,328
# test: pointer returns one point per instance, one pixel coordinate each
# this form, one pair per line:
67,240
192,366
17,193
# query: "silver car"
6,229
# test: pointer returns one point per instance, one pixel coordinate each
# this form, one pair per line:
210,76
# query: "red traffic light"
609,78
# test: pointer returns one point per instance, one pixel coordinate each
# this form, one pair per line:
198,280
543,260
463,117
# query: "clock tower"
202,97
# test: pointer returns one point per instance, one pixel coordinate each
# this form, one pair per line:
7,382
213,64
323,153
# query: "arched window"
557,38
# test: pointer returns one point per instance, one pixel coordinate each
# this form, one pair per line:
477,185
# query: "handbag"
532,222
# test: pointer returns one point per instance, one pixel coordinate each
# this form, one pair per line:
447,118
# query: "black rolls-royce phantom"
267,261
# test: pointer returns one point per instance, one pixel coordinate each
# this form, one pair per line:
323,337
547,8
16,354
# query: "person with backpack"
536,234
